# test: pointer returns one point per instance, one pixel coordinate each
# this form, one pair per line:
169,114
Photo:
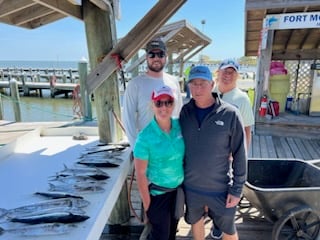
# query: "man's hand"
232,201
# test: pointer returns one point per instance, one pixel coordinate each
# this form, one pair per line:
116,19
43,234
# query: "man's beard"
158,68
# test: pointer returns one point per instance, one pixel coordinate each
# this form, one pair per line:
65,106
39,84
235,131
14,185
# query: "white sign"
293,20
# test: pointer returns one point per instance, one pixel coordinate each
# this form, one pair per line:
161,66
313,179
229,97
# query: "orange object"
263,106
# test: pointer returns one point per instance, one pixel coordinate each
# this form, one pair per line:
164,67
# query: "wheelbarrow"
287,193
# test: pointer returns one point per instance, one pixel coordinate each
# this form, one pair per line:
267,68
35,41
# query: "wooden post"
262,72
15,99
99,25
1,108
85,100
26,91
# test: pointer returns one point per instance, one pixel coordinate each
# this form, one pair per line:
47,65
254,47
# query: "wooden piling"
15,99
1,109
85,100
106,96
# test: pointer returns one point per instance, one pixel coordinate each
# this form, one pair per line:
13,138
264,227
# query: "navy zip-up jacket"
208,148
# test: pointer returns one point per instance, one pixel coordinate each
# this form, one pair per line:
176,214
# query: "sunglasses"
154,54
159,103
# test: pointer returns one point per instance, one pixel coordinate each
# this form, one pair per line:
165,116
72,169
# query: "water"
39,64
34,108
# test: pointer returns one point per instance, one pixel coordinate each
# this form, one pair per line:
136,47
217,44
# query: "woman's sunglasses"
154,54
159,103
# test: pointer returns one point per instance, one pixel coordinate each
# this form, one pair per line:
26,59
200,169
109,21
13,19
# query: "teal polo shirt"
164,153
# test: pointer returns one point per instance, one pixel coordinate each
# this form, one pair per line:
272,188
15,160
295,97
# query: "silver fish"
94,173
99,163
61,217
46,229
56,195
107,148
71,209
73,188
62,202
101,154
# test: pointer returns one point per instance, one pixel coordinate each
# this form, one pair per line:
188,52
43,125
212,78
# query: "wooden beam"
270,4
134,40
30,14
102,4
63,7
296,54
10,6
43,20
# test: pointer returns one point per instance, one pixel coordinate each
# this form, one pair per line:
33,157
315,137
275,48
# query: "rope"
132,174
118,59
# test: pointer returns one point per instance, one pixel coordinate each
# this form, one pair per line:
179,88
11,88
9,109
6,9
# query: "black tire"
298,224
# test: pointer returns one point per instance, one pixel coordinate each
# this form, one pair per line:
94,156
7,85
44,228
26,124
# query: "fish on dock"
103,163
38,230
57,195
48,204
76,188
70,209
106,148
60,217
94,173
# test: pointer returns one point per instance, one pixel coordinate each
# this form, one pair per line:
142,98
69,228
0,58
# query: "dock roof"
288,44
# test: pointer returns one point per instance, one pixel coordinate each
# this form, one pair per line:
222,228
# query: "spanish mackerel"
38,230
49,204
73,188
71,209
94,173
99,163
56,195
61,217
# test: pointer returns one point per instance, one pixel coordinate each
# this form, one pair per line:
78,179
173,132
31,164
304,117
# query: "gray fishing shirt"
208,147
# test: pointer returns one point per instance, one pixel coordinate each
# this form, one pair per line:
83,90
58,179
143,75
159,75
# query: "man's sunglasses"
154,54
159,103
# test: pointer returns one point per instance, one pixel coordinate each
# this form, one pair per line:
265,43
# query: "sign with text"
292,20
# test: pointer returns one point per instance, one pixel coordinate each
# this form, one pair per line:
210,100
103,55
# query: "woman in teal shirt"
158,158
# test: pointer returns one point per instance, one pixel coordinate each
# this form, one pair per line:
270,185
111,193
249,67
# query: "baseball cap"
156,43
229,63
161,92
201,72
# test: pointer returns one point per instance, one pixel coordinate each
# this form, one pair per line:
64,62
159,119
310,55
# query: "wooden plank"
280,151
271,148
316,146
310,148
304,152
294,148
263,147
63,7
14,6
255,145
133,41
286,148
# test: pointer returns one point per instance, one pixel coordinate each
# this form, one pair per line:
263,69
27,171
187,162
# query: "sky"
64,40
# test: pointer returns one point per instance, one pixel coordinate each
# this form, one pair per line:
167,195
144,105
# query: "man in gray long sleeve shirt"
137,112
212,129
